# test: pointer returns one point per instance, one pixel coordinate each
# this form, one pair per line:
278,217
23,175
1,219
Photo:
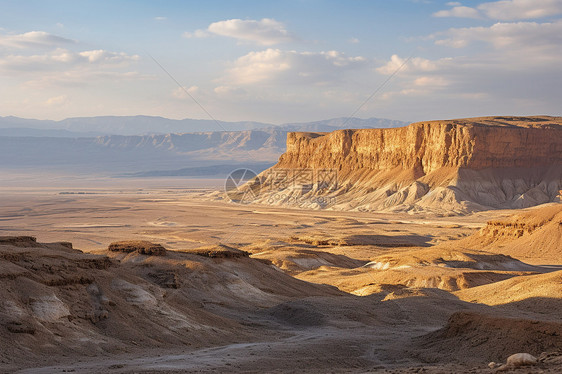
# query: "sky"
280,61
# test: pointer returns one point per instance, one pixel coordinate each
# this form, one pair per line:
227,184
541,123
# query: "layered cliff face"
431,145
533,234
458,165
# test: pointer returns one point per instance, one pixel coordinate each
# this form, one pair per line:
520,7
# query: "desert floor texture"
253,288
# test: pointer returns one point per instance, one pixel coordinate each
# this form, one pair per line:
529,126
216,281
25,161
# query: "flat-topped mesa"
468,143
457,165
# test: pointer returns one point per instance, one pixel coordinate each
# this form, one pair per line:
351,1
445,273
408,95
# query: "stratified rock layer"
469,143
459,165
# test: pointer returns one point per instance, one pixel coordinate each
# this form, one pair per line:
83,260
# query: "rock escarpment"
457,165
530,234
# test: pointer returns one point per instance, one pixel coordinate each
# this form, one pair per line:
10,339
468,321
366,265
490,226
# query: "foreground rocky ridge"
129,310
283,297
57,301
458,165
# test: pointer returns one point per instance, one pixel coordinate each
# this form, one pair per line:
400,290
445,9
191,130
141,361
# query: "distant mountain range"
153,146
148,125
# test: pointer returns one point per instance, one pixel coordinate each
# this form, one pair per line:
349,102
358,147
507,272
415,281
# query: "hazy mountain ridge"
140,153
148,125
153,153
128,125
51,133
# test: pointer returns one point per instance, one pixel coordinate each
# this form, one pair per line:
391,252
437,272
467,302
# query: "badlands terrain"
439,254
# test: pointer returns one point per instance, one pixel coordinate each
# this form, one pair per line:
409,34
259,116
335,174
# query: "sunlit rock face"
463,165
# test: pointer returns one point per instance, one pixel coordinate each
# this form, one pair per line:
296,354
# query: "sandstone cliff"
457,165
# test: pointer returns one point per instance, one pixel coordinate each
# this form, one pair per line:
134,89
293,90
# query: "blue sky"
281,61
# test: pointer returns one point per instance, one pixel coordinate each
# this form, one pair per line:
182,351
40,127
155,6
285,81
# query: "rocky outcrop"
18,241
533,233
458,165
485,337
142,247
219,251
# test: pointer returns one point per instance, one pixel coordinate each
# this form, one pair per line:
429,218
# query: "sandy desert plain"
260,288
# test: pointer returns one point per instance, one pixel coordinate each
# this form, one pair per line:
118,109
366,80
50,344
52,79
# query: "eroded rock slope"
449,166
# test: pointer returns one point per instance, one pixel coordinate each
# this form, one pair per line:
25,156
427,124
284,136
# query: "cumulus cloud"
64,68
33,39
415,65
266,31
107,57
505,10
518,36
434,82
418,75
180,92
458,11
498,79
275,65
515,61
42,61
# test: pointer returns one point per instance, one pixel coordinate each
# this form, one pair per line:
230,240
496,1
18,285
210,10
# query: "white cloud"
507,79
505,10
433,82
521,9
416,64
264,32
33,39
418,76
39,61
107,57
354,40
160,18
68,69
458,11
519,36
292,67
260,66
180,92
229,91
